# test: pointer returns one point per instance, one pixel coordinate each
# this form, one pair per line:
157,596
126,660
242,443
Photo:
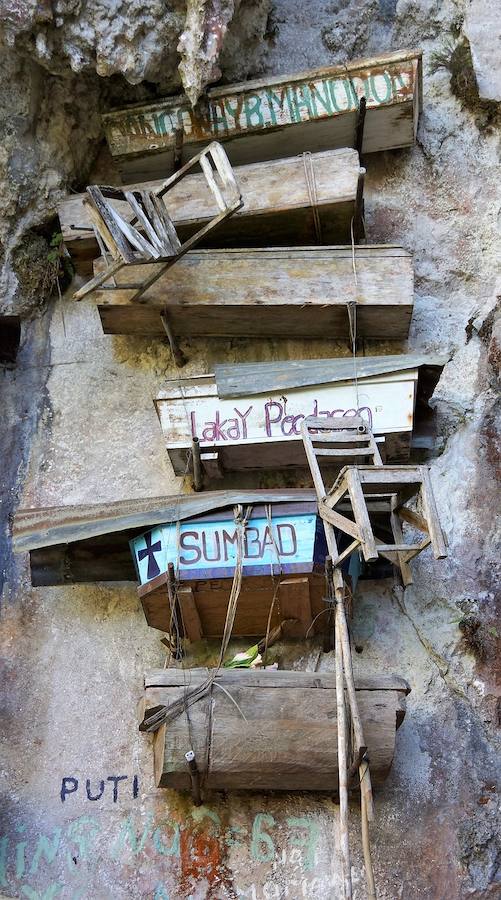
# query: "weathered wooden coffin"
262,430
277,206
276,731
313,110
294,292
283,544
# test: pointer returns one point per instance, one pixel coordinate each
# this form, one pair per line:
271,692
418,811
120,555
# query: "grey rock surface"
79,424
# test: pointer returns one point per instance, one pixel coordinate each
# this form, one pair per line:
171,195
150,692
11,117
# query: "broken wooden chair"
149,236
366,482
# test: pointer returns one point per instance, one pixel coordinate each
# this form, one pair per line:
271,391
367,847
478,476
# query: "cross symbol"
150,551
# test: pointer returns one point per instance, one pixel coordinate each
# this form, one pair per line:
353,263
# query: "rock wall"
79,425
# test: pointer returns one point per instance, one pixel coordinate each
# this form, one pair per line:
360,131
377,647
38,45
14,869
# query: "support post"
177,354
342,756
197,465
191,762
359,130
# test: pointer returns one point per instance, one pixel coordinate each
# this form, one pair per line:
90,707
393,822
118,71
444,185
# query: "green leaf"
243,660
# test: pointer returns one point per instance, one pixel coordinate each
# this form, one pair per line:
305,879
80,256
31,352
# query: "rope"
311,184
173,710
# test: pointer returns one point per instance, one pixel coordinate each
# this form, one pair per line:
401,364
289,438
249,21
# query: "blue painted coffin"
206,547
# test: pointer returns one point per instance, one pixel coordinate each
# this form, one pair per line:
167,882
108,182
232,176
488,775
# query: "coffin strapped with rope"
270,556
265,729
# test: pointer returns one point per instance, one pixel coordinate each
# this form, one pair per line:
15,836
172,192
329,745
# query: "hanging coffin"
283,555
276,292
313,110
279,196
269,730
259,427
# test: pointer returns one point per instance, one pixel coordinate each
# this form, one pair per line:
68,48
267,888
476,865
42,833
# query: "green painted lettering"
260,838
303,99
49,894
376,81
253,109
275,99
308,840
160,121
316,97
4,843
83,832
218,123
46,849
163,848
128,832
234,112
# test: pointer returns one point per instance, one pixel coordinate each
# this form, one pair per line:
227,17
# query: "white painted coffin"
263,430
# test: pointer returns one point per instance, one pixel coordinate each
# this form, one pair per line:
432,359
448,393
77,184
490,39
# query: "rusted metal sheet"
258,378
48,526
309,111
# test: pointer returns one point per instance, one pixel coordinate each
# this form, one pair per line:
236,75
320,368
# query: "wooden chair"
362,485
149,236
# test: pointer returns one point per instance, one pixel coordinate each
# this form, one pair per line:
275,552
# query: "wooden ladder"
353,439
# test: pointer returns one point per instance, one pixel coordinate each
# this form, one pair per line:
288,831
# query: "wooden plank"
189,614
398,535
277,206
278,292
283,678
287,740
360,513
256,119
211,601
294,603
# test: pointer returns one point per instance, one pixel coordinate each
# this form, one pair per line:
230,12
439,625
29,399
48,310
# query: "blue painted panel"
208,549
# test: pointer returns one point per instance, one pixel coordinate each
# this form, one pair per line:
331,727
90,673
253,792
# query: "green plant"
59,269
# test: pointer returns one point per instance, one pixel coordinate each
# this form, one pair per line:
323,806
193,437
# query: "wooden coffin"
275,292
276,731
277,206
284,548
262,431
256,120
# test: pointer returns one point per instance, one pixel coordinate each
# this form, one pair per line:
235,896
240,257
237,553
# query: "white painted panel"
386,402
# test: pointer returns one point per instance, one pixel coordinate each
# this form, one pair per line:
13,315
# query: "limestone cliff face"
79,424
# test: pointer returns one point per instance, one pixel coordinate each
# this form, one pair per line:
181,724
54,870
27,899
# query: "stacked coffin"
262,242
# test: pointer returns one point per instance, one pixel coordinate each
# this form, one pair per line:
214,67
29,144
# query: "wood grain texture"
290,292
287,740
254,603
277,205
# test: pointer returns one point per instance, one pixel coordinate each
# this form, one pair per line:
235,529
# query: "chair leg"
359,507
398,536
431,516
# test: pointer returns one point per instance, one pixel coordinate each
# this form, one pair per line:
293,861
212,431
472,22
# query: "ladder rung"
335,437
356,451
399,548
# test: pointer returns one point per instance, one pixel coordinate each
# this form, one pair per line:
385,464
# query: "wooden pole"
197,465
342,746
177,354
195,777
